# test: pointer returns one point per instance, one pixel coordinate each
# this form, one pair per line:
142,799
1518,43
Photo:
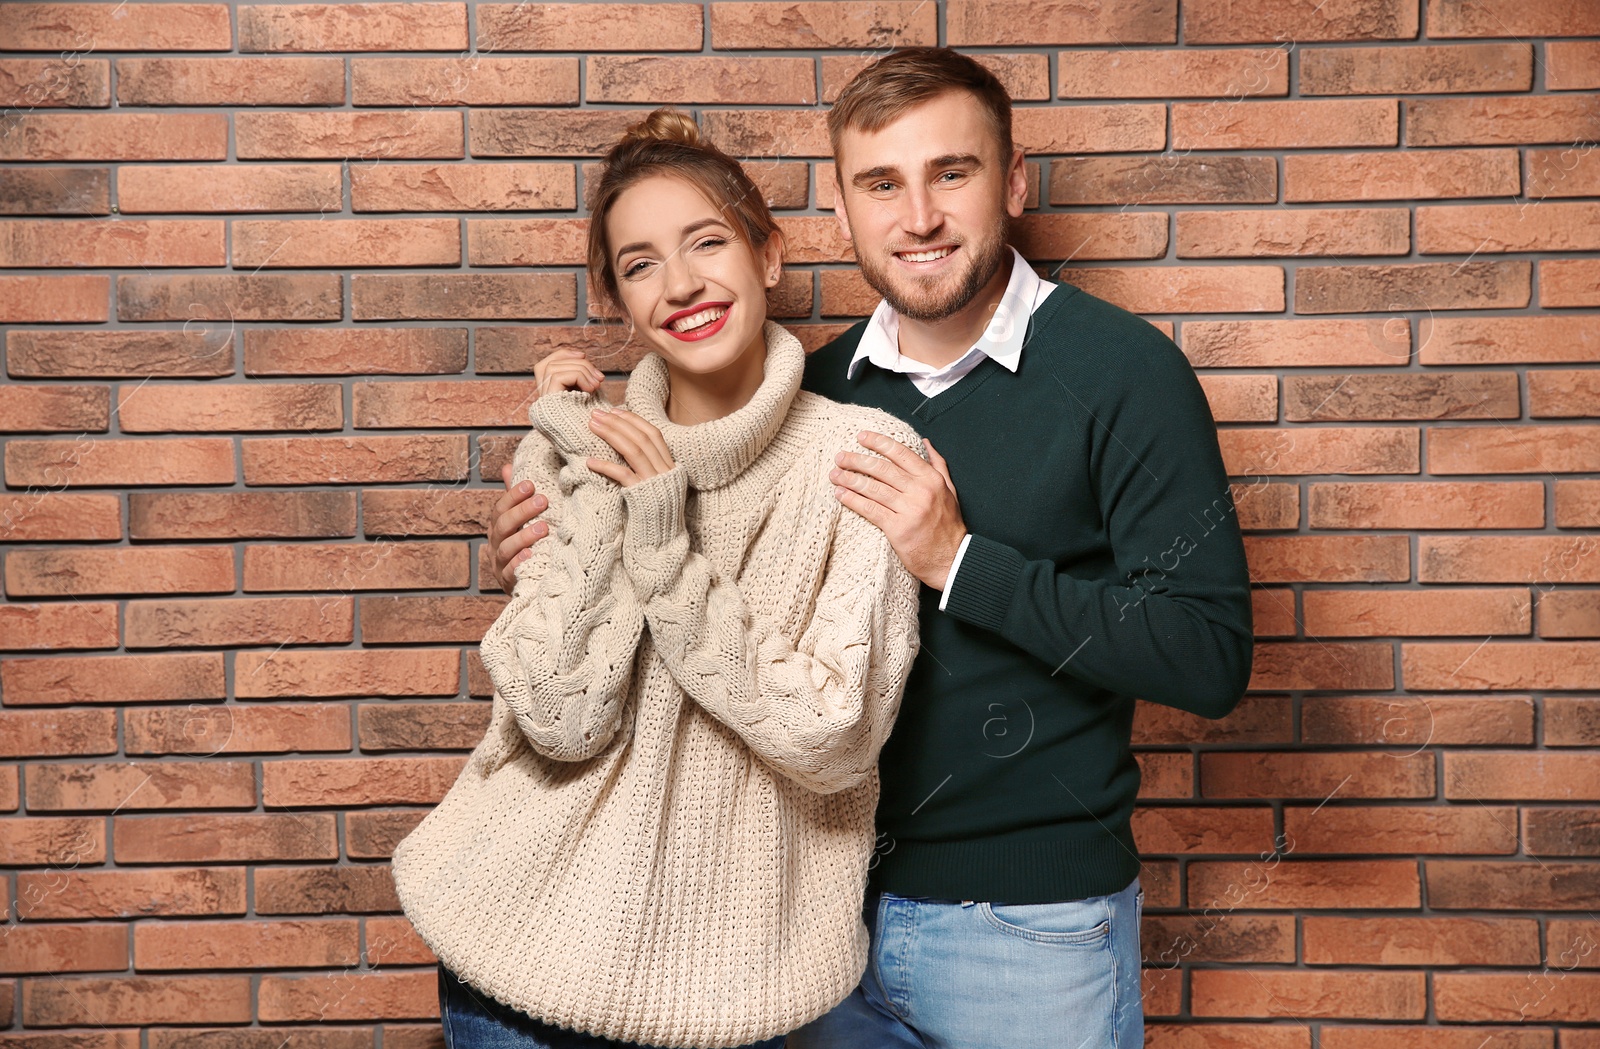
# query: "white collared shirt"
1002,340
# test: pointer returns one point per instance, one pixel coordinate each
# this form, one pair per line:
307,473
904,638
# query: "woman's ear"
772,259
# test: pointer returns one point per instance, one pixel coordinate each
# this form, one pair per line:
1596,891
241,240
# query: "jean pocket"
1077,922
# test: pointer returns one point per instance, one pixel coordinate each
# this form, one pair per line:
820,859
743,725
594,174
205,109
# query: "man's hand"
509,542
913,502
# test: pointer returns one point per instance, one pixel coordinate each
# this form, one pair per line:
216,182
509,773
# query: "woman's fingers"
567,369
640,444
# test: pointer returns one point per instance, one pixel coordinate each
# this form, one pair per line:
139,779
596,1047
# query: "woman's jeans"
473,1020
959,974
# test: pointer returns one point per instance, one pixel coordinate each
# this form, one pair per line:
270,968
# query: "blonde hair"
668,142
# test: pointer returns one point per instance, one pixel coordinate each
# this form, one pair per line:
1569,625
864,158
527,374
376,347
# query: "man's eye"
951,174
882,187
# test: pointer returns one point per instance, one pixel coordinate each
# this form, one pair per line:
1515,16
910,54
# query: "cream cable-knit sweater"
664,835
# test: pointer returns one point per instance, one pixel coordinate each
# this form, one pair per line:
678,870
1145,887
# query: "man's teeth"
925,256
695,320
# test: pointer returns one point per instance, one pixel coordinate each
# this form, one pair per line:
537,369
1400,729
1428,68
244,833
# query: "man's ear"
771,259
1017,183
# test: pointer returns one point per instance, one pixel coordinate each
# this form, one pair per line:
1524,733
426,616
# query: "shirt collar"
1002,339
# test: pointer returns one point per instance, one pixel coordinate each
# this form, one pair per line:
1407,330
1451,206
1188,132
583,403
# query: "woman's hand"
640,444
567,370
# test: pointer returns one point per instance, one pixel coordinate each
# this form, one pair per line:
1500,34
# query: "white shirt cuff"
951,578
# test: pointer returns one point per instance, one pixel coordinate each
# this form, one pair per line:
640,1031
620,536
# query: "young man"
1092,558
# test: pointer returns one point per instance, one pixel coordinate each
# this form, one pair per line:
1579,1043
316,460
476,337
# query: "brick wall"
275,281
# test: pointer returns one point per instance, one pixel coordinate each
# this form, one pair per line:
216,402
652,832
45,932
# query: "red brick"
1322,665
1330,995
273,728
1430,175
1169,178
1421,941
1121,128
354,996
230,81
1417,721
59,680
237,622
369,136
1217,1035
1511,18
142,1000
42,83
353,27
116,136
1129,73
1431,395
808,25
1274,21
775,134
1563,394
1577,504
115,27
1241,398
1416,287
1092,236
466,80
79,624
339,567
1571,65
1569,172
1561,832
1505,666
462,187
1273,611
1513,885
282,243
37,516
229,187
1416,70
54,300
1517,997
357,460
125,461
118,242
1168,829
239,407
364,781
1510,340
56,733
1320,450
1402,829
1322,231
192,838
120,570
1328,558
326,890
1569,613
1569,282
1304,883
357,351
1508,227
1294,343
1370,613
1553,776
970,23
55,191
434,512
459,296
1285,125
135,785
585,27
62,948
718,78
1257,719
1371,774
308,672
1548,448
226,515
42,409
1427,505
1265,504
130,894
451,403
1184,289
1508,120
194,297
533,242
1169,940
254,944
421,726
1508,559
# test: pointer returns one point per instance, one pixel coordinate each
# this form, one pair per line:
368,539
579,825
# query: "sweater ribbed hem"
981,592
1049,870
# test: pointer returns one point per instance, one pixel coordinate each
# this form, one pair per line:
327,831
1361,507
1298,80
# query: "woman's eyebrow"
640,245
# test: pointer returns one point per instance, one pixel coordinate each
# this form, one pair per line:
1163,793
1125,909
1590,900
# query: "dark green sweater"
1105,564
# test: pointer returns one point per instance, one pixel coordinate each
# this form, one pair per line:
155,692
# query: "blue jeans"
473,1020
953,974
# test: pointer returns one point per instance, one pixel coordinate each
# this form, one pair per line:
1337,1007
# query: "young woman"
663,838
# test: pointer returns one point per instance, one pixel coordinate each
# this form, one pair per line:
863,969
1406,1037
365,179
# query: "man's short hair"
909,76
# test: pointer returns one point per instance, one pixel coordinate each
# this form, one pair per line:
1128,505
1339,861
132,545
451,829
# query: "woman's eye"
633,270
710,242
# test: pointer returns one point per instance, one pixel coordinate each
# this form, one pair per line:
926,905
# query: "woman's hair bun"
665,125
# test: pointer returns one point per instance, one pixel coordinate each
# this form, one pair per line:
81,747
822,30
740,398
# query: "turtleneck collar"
714,452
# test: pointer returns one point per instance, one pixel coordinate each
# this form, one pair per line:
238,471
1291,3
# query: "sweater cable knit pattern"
664,834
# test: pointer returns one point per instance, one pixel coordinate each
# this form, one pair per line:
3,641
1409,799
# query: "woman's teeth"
925,256
696,320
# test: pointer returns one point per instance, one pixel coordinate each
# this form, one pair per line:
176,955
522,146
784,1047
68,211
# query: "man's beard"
915,298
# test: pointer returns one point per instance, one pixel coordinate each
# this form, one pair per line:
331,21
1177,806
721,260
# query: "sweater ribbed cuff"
981,592
655,538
